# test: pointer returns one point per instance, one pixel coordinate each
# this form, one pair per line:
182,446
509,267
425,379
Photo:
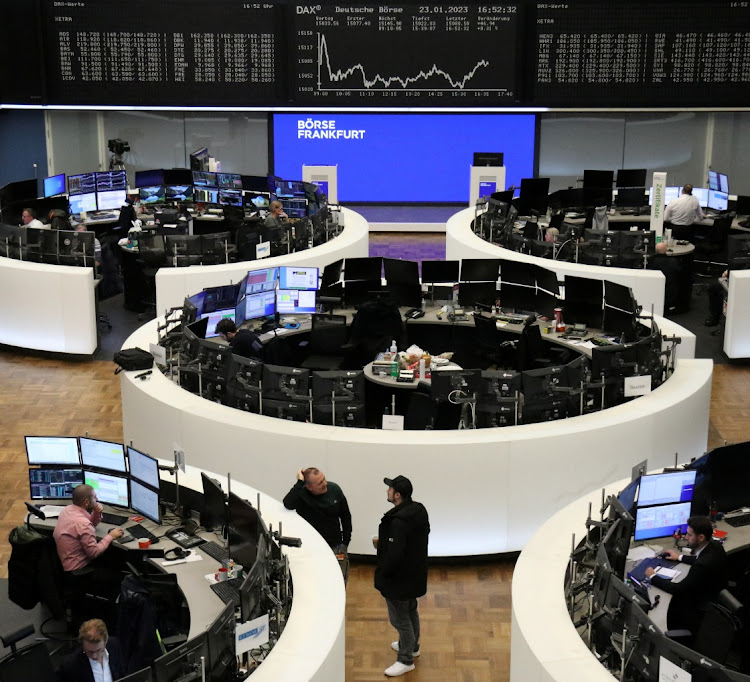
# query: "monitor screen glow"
215,317
661,521
717,200
666,488
260,305
109,489
112,199
82,203
291,277
101,454
152,195
295,302
54,185
52,450
701,194
143,468
54,484
145,501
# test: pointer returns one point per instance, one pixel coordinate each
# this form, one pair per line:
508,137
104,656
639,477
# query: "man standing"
99,658
323,505
401,571
707,576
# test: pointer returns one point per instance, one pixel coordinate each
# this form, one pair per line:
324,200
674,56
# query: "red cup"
144,543
221,575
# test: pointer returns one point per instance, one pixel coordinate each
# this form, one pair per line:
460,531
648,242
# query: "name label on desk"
159,353
251,635
637,386
393,422
263,250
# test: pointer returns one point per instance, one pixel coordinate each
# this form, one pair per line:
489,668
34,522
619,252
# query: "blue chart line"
387,81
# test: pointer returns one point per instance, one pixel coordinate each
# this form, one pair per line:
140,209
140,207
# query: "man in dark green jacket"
401,571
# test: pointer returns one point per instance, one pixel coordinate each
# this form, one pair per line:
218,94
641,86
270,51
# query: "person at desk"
324,506
99,658
685,210
707,576
276,216
243,342
715,293
673,273
30,220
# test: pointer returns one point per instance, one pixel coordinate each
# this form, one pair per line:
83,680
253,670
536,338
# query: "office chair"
151,256
30,663
711,247
247,239
217,248
183,250
533,353
491,347
327,338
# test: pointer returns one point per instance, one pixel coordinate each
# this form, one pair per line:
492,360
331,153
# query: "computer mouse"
155,541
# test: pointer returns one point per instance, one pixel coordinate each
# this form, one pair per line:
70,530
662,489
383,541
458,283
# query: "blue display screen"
54,185
402,157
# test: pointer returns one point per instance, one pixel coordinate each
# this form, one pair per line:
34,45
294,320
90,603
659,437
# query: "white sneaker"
394,646
398,669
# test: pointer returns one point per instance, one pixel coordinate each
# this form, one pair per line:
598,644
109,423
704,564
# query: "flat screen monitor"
713,180
230,197
259,280
584,302
221,645
205,179
106,181
54,484
661,521
229,181
340,384
295,302
628,494
111,199
260,305
82,183
145,501
723,183
216,316
52,450
438,271
110,489
286,409
331,274
286,383
255,183
206,195
178,192
182,661
214,512
256,200
632,197
488,159
670,193
718,200
198,300
480,269
54,185
155,194
149,178
598,178
401,272
101,454
244,528
143,468
533,197
221,297
299,277
701,194
82,203
631,177
449,384
667,488
176,176
368,269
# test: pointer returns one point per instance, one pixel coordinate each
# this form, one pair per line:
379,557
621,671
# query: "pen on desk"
143,375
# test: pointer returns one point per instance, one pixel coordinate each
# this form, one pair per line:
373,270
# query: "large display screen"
403,157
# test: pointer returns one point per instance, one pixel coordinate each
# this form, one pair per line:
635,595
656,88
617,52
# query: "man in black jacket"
401,571
99,653
243,342
706,578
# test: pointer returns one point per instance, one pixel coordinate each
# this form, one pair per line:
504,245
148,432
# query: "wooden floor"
466,613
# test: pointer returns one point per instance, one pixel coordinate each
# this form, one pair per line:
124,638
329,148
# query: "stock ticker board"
228,53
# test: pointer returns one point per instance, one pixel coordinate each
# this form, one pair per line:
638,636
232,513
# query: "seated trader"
683,211
30,220
707,576
242,342
323,505
276,216
716,294
673,271
74,533
99,657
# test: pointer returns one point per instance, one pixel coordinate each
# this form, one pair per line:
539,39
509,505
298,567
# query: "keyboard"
228,591
738,521
215,551
140,532
114,519
639,571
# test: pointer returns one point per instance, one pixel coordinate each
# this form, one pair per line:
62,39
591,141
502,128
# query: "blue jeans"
404,617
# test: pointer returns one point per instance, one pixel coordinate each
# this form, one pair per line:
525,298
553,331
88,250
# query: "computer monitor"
331,274
298,277
255,183
54,483
518,298
251,589
670,193
401,272
145,501
110,489
82,203
540,384
632,197
717,200
259,280
182,661
666,488
52,450
286,409
451,384
152,195
488,159
477,293
713,180
584,301
363,269
111,200
260,305
195,303
143,468
205,195
54,185
514,272
244,528
534,196
632,177
295,302
597,187
84,183
628,494
256,200
661,521
216,316
723,183
613,361
701,194
341,385
149,178
107,181
214,511
221,645
205,179
230,197
101,454
229,181
438,271
286,383
178,192
480,269
220,298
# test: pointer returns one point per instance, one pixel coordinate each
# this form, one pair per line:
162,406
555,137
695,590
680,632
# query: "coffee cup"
144,543
221,575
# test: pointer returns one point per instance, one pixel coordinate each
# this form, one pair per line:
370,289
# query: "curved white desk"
173,285
47,307
487,490
461,242
737,329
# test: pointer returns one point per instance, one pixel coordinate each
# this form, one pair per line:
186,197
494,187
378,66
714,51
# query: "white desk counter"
173,285
47,307
737,329
461,242
482,487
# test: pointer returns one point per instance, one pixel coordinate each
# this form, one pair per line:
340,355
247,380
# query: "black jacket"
708,575
401,571
328,513
76,667
247,344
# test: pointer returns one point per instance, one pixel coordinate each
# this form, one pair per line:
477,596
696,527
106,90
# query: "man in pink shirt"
75,534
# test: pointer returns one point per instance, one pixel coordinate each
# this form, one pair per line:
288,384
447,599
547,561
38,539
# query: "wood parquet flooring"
466,612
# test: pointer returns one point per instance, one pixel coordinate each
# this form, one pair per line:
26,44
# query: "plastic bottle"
394,348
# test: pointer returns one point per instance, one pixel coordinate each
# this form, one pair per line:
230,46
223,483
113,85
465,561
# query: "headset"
178,552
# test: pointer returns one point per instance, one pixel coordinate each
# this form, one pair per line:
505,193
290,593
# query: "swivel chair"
328,337
492,348
29,663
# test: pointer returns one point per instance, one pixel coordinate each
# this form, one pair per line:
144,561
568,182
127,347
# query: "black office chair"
491,348
710,258
533,353
33,662
217,248
183,250
248,238
328,336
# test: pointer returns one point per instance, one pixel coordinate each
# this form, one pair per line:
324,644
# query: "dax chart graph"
437,55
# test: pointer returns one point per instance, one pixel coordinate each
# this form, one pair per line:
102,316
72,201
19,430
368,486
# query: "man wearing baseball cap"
401,571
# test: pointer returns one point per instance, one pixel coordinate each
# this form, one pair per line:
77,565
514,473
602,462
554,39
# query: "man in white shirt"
99,659
685,210
30,220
